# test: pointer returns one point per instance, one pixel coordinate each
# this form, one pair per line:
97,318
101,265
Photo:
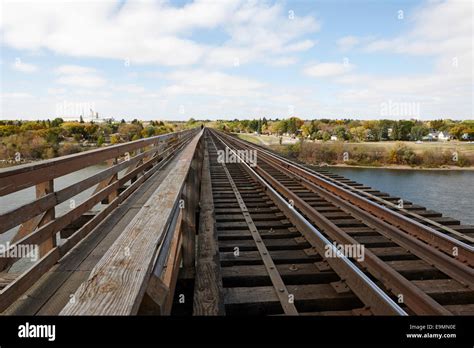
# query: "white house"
333,137
431,136
444,136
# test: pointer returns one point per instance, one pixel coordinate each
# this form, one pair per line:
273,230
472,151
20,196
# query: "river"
450,192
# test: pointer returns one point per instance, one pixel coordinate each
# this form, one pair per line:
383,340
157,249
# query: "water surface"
450,192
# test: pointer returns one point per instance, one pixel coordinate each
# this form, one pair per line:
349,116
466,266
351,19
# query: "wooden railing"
37,223
160,238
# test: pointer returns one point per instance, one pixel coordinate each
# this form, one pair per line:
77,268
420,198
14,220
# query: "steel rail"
366,290
361,192
449,245
458,271
414,298
280,288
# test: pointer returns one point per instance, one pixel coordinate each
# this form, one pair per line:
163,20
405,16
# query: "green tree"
57,122
100,140
340,132
418,132
326,136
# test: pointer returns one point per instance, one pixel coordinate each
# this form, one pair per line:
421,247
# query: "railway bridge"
200,222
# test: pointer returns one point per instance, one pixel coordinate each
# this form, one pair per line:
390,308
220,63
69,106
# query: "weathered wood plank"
208,291
278,256
7,278
446,291
264,300
266,234
271,244
256,275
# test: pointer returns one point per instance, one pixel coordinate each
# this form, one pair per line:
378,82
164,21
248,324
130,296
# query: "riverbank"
379,155
452,155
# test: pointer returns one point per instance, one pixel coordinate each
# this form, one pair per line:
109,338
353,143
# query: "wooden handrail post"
110,162
41,189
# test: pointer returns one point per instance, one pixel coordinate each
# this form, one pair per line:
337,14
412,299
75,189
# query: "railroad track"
277,221
429,218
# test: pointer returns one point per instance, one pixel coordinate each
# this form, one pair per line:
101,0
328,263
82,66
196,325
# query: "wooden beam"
158,299
190,196
155,296
208,290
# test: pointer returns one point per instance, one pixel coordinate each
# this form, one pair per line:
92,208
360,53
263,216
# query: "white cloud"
283,61
259,31
110,29
79,76
447,90
131,88
439,28
18,65
56,91
347,42
16,95
327,69
159,33
300,46
85,81
201,82
74,70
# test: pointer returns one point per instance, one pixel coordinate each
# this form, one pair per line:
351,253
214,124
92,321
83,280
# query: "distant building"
435,136
334,137
444,136
431,136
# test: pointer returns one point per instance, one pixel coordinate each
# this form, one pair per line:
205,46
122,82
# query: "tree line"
352,130
43,139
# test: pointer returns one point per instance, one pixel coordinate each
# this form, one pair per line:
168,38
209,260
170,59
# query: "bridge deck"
246,240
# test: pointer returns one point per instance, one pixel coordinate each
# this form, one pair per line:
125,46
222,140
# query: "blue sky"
237,59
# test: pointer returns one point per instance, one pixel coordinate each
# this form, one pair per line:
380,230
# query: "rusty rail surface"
369,293
450,246
37,224
385,210
417,300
